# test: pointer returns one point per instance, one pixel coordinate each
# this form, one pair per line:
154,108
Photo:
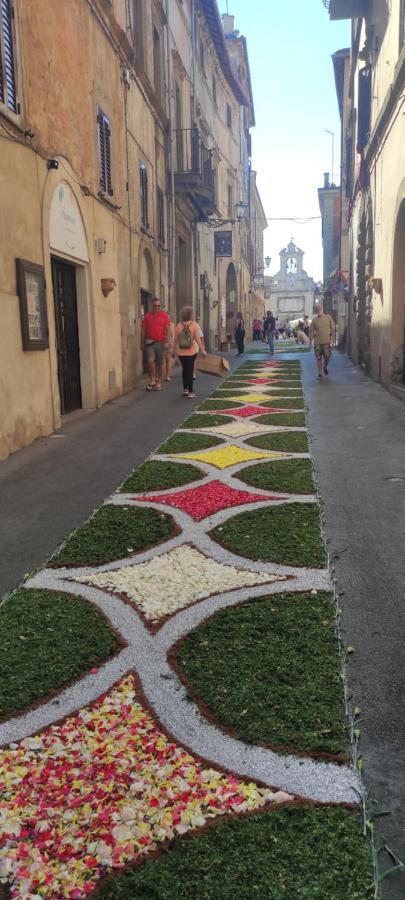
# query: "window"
230,201
402,25
8,87
138,30
214,91
157,64
228,115
364,108
161,216
143,175
202,56
104,152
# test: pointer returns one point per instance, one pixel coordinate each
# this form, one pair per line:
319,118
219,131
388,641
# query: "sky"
290,45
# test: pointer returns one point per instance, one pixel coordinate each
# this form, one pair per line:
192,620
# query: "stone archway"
146,279
398,300
231,297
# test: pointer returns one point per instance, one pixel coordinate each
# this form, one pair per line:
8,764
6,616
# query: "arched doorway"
146,280
398,300
231,298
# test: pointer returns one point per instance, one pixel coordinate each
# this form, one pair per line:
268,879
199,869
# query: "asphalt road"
52,486
357,431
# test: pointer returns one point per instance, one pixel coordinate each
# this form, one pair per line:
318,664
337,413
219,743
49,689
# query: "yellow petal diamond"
249,398
228,456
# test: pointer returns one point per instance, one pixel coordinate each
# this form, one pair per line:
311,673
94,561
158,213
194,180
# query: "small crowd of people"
161,342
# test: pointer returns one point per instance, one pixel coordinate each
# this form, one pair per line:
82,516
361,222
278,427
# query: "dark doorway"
146,298
231,298
206,318
67,335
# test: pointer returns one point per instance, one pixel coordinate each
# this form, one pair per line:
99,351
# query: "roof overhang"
212,18
348,9
339,60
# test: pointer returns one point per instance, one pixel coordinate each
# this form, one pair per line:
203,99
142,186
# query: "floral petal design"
246,411
174,580
203,501
100,790
240,429
230,455
250,398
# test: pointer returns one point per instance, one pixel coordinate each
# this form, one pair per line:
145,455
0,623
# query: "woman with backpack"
185,345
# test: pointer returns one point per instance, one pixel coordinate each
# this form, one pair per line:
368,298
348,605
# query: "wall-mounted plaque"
33,313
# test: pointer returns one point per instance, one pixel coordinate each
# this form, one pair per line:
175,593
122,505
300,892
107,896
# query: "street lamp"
241,210
332,134
267,260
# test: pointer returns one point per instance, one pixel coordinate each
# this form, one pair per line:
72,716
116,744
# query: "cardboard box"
213,365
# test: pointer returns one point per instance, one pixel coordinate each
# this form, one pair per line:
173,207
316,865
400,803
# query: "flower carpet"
214,710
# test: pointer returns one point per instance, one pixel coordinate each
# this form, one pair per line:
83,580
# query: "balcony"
346,9
194,175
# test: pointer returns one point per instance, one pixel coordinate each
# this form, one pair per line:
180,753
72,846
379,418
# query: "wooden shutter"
8,91
107,144
104,153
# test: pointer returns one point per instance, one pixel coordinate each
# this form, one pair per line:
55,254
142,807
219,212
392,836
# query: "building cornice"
212,18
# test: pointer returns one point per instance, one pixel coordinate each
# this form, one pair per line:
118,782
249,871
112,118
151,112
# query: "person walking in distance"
240,334
270,329
322,334
185,345
154,340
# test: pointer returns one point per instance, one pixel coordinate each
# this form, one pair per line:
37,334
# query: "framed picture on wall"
33,313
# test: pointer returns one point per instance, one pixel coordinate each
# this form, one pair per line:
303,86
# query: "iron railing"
193,157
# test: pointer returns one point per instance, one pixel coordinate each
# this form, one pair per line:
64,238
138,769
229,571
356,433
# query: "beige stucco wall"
387,189
83,72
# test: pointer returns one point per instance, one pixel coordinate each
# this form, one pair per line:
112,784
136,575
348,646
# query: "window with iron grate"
104,152
161,216
8,82
143,179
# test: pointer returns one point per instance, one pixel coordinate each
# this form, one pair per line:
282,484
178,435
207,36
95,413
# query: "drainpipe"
172,250
193,55
194,225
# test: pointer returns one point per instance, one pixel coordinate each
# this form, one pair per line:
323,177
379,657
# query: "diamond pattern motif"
244,411
250,398
228,456
153,586
203,501
239,429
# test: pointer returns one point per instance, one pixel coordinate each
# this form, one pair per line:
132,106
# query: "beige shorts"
155,351
323,350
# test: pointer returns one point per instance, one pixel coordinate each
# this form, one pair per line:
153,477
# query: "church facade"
290,293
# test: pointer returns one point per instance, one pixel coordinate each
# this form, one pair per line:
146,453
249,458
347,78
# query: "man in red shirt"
154,340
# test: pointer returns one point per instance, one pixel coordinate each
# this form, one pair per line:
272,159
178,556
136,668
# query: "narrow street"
246,441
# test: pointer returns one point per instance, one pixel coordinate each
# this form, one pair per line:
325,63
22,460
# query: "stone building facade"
375,150
125,140
290,293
